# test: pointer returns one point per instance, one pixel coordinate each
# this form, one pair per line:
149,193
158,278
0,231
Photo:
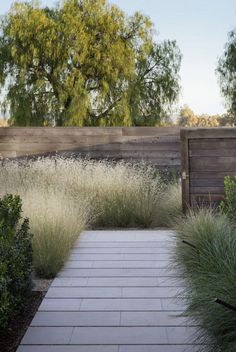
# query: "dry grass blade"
61,197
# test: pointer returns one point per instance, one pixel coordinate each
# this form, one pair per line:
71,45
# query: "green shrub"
15,257
207,264
228,205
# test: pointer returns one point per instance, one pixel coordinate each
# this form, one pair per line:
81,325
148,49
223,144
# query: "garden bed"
18,324
63,196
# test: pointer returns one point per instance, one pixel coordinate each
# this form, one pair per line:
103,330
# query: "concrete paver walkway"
115,294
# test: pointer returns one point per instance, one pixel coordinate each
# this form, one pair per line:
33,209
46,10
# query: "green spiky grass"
209,272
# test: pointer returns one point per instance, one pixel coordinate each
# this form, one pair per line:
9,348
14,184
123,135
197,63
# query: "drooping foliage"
85,63
155,86
227,75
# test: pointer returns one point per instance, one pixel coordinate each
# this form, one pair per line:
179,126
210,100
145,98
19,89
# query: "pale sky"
200,28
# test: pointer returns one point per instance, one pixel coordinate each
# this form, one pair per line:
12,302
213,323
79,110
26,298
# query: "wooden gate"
208,155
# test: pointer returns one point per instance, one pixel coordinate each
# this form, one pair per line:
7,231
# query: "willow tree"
84,63
227,76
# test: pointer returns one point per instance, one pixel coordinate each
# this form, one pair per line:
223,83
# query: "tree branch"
104,113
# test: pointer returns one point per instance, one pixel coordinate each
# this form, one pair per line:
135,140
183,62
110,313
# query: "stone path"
116,293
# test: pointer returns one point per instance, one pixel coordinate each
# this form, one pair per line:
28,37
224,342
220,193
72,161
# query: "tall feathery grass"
62,197
56,222
170,206
207,263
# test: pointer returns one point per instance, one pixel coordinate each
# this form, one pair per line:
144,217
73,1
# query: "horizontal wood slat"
207,190
150,131
213,152
159,146
60,131
206,182
210,175
212,143
210,133
211,200
212,164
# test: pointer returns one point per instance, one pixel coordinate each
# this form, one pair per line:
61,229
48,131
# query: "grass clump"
56,222
207,264
56,218
170,206
64,196
124,195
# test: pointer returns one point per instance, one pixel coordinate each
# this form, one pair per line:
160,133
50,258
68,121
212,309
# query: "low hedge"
205,257
15,258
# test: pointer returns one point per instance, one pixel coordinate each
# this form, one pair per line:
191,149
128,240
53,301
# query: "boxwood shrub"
15,258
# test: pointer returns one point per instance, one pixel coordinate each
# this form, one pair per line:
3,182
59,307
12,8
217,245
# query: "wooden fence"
208,155
159,146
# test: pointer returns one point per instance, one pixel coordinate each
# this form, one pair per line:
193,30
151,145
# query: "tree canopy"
85,63
227,74
187,118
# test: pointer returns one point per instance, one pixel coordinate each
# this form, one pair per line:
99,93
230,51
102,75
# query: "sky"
200,28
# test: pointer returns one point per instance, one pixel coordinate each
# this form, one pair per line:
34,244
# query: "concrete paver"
116,293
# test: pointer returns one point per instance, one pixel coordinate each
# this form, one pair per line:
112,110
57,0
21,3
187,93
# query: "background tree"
85,63
187,118
227,119
227,75
156,84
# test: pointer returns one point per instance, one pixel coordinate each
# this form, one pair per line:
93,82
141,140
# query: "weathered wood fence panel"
160,146
208,155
